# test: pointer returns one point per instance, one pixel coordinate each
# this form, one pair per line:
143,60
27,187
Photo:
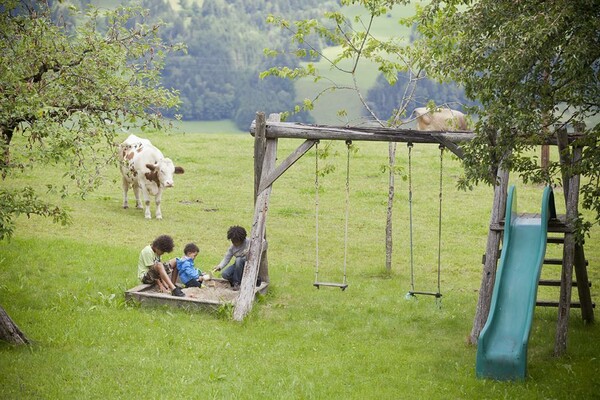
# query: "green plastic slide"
502,344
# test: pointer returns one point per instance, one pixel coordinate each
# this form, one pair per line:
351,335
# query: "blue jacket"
186,269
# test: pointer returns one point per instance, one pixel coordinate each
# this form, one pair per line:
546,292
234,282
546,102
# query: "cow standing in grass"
145,168
443,119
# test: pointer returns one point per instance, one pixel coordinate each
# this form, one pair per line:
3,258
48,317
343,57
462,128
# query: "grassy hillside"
64,287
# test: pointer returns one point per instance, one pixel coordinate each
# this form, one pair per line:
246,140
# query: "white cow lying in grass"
145,168
443,119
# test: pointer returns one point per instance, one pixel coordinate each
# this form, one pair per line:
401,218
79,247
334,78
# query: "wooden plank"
552,282
380,134
245,299
342,286
583,289
435,294
260,144
547,303
450,145
371,134
553,261
205,299
286,164
555,225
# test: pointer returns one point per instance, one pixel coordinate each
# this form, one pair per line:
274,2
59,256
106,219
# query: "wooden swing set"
266,172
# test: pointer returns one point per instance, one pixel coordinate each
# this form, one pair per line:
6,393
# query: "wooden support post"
564,302
583,284
492,254
245,299
571,188
260,145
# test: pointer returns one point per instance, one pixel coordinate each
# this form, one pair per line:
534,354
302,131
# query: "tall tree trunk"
389,241
9,332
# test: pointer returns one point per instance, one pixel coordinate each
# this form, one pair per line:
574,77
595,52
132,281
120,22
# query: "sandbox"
213,294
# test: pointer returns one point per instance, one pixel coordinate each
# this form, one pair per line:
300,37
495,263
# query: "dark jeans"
193,283
235,271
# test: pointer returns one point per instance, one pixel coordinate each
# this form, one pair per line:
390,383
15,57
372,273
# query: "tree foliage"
66,90
357,46
533,66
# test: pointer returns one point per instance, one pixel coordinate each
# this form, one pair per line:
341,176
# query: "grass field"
64,287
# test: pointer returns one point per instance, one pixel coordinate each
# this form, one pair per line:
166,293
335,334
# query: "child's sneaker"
178,292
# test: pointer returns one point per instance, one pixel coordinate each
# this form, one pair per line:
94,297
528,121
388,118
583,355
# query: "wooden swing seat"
342,286
436,294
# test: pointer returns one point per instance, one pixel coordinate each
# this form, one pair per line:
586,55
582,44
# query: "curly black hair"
164,243
236,233
190,248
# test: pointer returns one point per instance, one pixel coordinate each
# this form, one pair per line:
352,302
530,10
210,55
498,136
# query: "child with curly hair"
239,250
151,270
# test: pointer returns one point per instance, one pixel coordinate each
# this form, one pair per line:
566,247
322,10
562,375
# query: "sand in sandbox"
213,290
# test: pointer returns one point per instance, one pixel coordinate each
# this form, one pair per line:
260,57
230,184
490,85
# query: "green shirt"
147,259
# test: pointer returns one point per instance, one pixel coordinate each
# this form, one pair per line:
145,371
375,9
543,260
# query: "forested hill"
218,77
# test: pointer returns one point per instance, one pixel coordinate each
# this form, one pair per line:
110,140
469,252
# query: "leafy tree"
65,92
532,65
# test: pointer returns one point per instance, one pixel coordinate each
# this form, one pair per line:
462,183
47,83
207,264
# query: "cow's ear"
151,167
179,170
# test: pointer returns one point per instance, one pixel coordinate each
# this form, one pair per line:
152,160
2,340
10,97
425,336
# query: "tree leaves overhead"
533,65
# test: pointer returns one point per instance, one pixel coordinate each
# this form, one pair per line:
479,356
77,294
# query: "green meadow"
64,286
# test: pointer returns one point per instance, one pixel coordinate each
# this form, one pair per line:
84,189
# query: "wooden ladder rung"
546,303
558,261
552,282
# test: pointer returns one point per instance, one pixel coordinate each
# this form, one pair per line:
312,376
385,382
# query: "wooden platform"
555,225
212,295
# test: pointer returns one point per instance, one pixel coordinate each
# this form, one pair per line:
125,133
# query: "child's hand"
216,269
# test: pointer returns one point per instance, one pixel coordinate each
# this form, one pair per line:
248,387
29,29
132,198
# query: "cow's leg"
157,201
146,196
125,185
136,192
147,213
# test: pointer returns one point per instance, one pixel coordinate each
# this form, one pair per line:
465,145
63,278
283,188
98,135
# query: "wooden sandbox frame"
204,298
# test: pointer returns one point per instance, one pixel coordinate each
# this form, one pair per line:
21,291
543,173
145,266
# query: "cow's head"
162,172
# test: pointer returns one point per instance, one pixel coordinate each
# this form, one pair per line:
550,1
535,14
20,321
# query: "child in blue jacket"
188,273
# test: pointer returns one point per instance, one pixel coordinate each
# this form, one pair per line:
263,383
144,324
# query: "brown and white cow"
145,168
443,119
